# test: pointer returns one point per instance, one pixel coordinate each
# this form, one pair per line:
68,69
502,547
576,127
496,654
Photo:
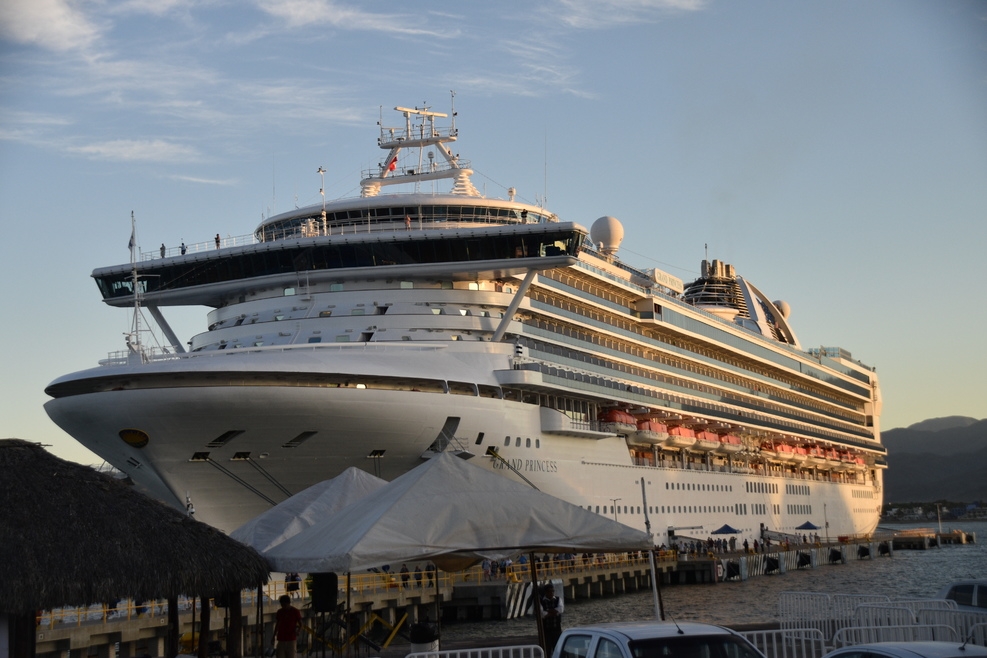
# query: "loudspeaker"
324,590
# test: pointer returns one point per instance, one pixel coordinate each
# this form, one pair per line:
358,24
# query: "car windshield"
718,646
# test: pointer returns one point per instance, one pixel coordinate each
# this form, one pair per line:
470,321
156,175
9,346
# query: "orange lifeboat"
816,455
706,441
617,421
799,453
785,452
651,432
730,444
680,437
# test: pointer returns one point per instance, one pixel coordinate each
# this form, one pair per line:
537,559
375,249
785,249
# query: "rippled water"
909,574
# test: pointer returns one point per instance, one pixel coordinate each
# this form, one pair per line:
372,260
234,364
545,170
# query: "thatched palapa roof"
70,535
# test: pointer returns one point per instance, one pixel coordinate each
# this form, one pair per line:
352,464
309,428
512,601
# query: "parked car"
653,640
968,594
910,650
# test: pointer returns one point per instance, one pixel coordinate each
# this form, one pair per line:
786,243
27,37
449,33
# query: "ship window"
289,291
436,311
298,440
474,286
537,443
278,318
527,443
315,339
405,285
342,339
357,311
258,343
479,438
335,287
517,443
507,441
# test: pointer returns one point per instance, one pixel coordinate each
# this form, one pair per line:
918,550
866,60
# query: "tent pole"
659,607
536,597
347,617
259,644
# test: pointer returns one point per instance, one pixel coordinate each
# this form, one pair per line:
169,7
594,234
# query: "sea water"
908,574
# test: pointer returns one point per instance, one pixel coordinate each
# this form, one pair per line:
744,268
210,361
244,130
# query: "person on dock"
288,621
418,576
551,613
405,576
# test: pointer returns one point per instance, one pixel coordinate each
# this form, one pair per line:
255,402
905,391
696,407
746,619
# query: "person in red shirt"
287,622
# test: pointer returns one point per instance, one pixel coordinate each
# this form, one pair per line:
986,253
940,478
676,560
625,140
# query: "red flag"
393,164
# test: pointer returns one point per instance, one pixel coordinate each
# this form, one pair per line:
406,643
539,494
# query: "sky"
834,152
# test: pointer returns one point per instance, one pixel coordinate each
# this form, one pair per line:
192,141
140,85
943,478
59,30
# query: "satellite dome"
607,233
784,308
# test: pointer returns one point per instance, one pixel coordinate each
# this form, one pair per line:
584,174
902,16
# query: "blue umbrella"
725,530
808,525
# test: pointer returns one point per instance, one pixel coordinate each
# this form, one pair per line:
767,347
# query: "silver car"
653,640
910,650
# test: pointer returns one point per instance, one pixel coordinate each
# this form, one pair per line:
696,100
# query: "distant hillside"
949,441
937,424
925,465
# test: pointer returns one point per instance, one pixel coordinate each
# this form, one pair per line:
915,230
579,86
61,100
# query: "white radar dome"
607,233
784,308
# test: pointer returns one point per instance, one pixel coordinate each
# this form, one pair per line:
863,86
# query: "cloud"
590,14
300,13
129,150
229,182
52,24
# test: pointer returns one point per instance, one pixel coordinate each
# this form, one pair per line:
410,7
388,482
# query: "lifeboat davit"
680,437
651,432
730,444
706,441
617,421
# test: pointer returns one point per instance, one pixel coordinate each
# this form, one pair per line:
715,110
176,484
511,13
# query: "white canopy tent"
454,514
306,508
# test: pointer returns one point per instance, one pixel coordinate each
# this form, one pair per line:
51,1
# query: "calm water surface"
909,574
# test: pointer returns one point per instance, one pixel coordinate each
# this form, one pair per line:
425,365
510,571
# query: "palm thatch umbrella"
70,536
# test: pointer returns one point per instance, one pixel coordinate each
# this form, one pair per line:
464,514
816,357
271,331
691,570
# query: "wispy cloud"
229,182
53,24
298,13
591,14
130,150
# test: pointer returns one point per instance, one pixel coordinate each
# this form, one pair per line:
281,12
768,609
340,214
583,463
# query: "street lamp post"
614,508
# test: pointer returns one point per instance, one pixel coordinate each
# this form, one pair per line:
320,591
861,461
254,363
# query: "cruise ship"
382,330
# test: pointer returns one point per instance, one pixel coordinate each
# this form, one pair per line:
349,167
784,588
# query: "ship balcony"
554,421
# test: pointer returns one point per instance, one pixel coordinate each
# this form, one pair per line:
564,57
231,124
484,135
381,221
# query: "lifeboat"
706,441
769,451
651,432
860,463
617,421
730,444
816,455
680,437
785,452
799,453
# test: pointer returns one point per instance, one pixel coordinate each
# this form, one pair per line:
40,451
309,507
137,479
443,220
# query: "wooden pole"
171,642
536,596
203,628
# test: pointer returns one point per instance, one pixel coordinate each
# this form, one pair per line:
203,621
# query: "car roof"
918,649
644,630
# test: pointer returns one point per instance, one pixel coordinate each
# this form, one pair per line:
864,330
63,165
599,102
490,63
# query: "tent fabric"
306,508
454,514
808,525
725,529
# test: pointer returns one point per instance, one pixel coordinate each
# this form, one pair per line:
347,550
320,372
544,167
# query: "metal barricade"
965,622
907,633
925,604
880,614
516,651
800,610
789,643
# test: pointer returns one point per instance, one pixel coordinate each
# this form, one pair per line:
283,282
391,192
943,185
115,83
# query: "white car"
653,640
910,650
968,594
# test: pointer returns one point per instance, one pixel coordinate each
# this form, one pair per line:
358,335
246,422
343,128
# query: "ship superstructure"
382,330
